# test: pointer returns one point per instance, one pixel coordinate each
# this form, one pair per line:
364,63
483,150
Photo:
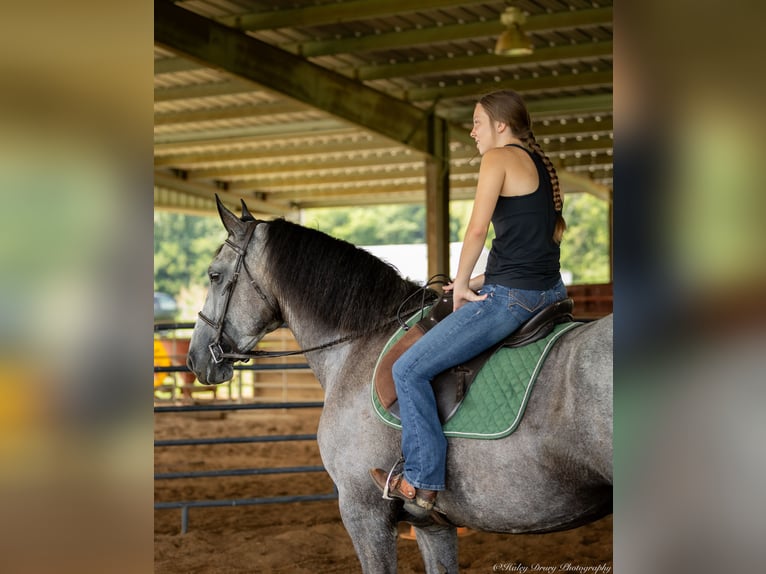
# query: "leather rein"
217,352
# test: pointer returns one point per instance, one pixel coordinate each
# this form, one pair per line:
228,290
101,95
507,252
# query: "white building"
412,260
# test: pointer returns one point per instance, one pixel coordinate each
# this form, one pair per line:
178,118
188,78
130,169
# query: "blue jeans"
460,336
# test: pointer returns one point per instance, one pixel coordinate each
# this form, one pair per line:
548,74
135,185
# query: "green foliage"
183,248
184,245
460,212
585,247
371,225
382,224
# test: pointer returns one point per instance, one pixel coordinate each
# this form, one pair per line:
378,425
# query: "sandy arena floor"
308,537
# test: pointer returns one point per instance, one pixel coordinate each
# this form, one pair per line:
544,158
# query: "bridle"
217,352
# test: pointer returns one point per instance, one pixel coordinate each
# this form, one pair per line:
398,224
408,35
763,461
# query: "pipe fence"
235,398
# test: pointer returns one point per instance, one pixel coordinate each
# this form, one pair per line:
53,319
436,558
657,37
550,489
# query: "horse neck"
332,363
328,363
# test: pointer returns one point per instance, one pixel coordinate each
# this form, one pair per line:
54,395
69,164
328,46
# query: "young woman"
518,192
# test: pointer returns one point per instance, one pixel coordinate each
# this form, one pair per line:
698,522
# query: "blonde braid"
558,198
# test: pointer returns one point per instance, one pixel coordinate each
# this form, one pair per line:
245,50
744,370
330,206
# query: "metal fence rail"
285,367
238,472
168,329
258,380
185,505
233,440
237,407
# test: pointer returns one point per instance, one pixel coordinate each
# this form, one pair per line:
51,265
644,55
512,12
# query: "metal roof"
314,103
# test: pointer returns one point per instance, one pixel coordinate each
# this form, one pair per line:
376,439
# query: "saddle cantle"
451,386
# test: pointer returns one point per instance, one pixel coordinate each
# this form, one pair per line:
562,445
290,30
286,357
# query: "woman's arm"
491,177
476,283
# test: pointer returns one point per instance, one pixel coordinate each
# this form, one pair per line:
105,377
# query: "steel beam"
200,38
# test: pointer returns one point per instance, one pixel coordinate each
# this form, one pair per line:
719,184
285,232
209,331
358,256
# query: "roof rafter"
202,190
478,61
448,33
521,85
335,13
581,51
208,41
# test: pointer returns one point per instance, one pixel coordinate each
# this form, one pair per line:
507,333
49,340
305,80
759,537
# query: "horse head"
239,308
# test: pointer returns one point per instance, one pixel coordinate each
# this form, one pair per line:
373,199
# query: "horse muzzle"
210,372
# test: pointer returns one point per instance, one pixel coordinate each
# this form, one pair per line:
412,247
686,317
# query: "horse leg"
373,532
438,547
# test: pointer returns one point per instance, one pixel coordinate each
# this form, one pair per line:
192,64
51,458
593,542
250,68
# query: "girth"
451,386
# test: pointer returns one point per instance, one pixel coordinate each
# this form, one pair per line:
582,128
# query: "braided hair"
507,106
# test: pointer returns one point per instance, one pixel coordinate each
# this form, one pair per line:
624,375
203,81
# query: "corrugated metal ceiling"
216,132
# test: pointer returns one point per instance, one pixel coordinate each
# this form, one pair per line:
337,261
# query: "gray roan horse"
554,472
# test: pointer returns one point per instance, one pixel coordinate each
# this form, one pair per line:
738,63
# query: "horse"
553,472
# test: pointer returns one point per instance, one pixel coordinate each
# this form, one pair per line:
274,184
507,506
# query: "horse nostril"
190,362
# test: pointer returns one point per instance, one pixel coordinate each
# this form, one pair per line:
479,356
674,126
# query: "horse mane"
332,281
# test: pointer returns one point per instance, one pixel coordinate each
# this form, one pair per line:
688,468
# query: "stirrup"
391,473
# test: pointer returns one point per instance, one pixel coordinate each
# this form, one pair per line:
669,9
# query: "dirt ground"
308,537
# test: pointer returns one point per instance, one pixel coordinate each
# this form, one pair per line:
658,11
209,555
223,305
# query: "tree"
184,245
585,247
183,248
371,225
378,224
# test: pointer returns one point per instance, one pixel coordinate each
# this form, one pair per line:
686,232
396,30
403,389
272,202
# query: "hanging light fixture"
513,41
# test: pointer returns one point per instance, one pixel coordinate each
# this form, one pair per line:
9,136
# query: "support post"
437,197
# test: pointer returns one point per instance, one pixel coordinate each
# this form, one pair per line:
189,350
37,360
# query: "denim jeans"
460,336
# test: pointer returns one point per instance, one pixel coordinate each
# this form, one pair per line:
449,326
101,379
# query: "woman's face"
483,130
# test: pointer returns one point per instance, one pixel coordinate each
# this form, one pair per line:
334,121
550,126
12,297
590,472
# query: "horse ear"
230,221
246,215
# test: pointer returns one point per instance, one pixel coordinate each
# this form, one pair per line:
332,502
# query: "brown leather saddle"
451,386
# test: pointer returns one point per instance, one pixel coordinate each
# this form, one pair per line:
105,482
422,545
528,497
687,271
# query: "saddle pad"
495,402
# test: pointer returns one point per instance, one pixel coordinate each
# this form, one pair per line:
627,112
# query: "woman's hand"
475,283
461,296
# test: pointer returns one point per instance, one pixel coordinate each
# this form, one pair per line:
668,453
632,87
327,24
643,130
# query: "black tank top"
523,254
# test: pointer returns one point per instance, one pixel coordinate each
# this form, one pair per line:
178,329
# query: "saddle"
451,386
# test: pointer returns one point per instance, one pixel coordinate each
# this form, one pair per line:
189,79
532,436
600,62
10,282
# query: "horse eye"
214,277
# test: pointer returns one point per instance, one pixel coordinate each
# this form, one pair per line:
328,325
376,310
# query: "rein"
246,356
217,352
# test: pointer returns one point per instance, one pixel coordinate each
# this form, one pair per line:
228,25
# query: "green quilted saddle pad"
495,402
